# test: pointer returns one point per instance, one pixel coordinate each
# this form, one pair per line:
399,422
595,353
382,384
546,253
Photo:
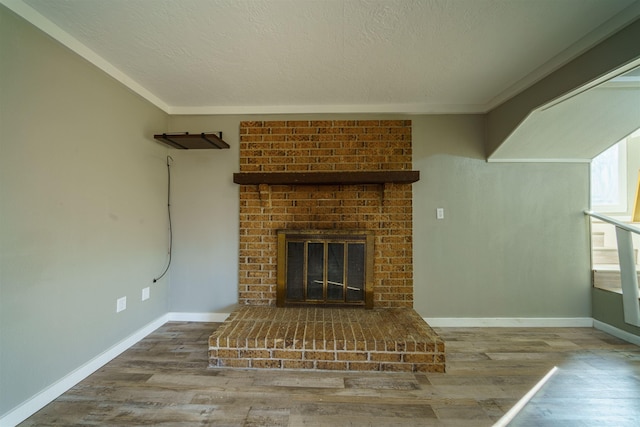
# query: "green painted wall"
607,308
513,242
82,211
205,210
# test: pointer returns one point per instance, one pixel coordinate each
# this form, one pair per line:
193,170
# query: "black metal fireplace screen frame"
325,268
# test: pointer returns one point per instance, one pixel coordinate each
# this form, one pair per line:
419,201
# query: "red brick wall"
327,145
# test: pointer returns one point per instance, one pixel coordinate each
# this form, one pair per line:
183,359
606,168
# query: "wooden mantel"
327,178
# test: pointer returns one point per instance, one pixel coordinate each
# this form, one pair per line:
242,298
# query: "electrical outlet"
440,213
145,293
121,304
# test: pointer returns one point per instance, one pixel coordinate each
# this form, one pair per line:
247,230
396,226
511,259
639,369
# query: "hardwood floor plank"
164,380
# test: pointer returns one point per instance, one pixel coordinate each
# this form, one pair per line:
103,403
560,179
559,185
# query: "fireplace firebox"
325,268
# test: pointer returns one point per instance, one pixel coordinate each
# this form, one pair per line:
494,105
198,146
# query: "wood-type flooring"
164,380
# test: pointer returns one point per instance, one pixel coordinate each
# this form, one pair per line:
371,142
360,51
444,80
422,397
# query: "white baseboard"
509,322
197,317
618,333
46,396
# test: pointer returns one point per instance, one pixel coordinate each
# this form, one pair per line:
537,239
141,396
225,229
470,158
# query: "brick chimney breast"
326,146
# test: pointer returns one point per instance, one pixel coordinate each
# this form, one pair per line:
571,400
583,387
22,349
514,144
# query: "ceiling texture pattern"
293,56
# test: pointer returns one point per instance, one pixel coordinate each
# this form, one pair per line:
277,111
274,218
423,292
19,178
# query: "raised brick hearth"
394,339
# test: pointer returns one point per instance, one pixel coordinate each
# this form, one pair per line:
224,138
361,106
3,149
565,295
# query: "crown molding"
524,160
333,109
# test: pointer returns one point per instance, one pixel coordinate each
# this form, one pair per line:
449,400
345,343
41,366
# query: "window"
609,180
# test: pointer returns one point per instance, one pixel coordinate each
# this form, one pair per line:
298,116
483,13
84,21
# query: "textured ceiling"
252,56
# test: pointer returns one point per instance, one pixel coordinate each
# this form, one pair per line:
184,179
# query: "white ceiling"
285,56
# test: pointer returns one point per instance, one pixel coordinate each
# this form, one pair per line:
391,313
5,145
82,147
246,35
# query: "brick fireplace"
340,189
342,146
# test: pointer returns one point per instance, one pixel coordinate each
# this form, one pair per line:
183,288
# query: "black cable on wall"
169,160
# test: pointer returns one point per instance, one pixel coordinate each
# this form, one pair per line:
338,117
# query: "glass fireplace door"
326,269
